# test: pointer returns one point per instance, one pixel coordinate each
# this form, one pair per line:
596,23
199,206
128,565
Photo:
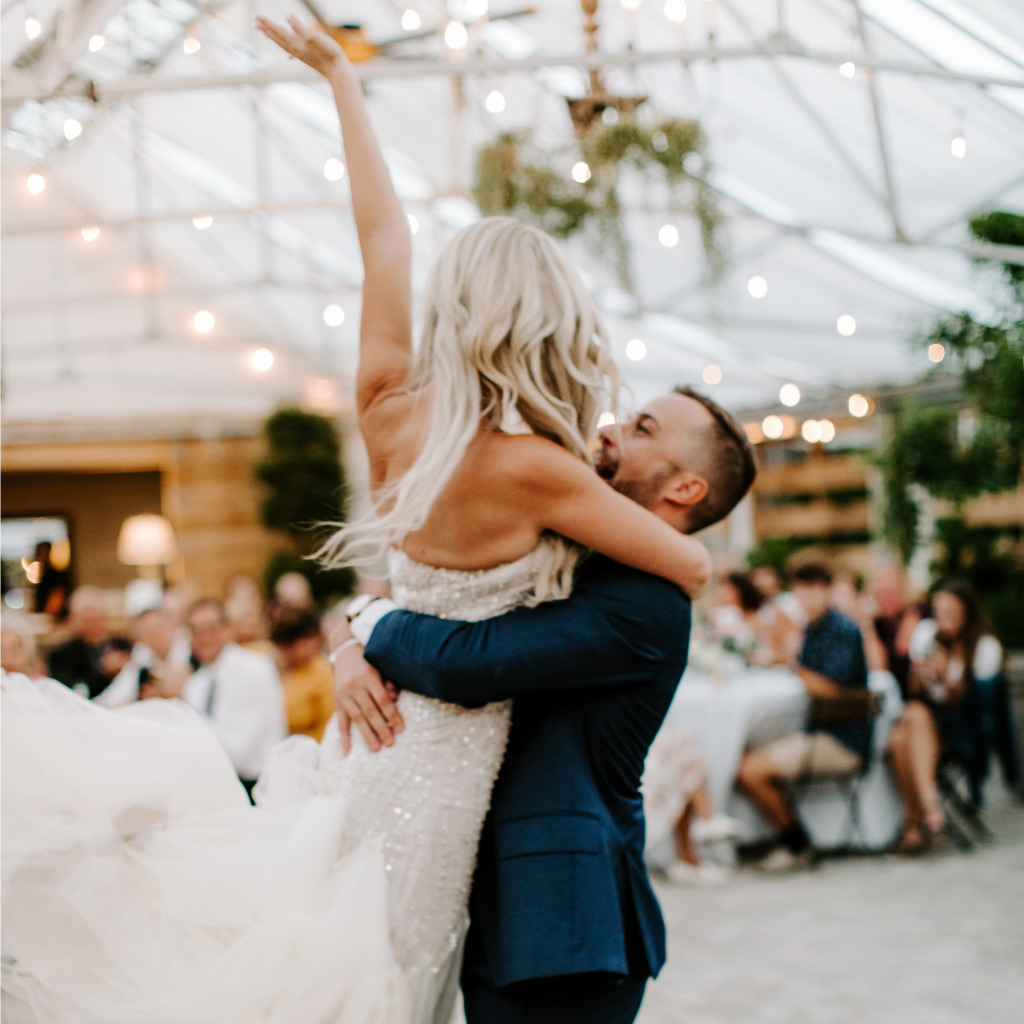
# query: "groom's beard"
644,492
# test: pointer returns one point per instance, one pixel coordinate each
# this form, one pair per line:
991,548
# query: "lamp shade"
146,540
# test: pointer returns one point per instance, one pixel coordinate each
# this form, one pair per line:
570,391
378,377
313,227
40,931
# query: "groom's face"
646,456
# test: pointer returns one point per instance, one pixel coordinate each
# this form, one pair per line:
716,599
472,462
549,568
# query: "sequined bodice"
425,798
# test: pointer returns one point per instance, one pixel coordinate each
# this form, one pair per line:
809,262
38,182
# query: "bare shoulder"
534,464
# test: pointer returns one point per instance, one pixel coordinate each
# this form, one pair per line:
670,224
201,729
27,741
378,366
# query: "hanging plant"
514,178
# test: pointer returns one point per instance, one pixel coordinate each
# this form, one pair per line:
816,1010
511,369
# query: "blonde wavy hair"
509,329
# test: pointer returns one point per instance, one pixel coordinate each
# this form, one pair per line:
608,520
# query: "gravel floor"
935,940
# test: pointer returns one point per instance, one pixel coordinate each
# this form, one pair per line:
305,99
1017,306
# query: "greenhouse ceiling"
178,244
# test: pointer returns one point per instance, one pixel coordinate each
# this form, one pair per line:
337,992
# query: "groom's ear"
686,489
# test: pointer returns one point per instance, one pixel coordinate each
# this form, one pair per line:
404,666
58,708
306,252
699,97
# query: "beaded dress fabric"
140,886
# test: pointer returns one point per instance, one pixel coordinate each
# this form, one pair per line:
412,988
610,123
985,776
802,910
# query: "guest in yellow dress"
306,673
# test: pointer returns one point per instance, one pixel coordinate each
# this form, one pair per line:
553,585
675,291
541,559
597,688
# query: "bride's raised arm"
385,338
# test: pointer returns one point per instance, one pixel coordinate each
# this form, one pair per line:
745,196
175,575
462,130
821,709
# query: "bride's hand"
312,47
363,699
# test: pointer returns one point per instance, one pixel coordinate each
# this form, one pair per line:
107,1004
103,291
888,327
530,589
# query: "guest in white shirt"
239,691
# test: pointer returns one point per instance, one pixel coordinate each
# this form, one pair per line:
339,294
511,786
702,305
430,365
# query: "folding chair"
963,816
857,706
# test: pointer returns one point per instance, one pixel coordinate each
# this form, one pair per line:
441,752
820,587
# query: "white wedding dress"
139,886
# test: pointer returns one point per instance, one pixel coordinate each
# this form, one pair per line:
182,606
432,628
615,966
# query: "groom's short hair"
724,456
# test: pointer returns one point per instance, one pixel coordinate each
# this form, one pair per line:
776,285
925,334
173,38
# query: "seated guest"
89,661
238,691
831,663
245,613
54,586
893,623
767,579
14,653
767,635
950,654
307,675
158,654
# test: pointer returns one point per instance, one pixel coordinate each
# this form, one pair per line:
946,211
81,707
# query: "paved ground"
936,940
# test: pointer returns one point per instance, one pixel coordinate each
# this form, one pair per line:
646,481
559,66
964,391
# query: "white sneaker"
715,829
782,860
700,875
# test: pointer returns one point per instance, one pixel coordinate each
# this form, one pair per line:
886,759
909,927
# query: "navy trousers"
569,999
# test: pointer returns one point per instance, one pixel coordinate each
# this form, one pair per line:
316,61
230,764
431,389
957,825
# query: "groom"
564,926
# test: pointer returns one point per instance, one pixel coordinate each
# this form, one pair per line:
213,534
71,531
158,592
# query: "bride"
138,885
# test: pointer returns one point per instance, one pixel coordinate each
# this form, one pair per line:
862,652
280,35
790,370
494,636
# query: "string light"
190,45
495,101
668,235
788,426
712,375
811,431
72,129
96,43
848,69
202,222
630,5
414,223
757,286
36,183
958,147
858,406
789,395
828,431
203,321
609,116
606,419
636,349
675,11
936,353
581,172
771,427
477,8
846,325
455,36
334,169
91,233
334,315
262,360
33,28
754,432
410,20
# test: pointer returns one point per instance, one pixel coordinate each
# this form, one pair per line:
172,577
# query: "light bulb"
190,45
203,321
262,360
495,102
789,394
771,427
410,20
91,233
757,286
668,235
848,69
33,28
334,169
958,147
96,43
36,183
936,353
828,431
788,426
202,222
755,435
455,36
414,223
334,315
606,419
631,5
712,375
72,129
858,406
609,116
675,11
811,431
846,325
477,8
581,172
636,349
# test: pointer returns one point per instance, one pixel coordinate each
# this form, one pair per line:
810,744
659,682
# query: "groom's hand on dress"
364,700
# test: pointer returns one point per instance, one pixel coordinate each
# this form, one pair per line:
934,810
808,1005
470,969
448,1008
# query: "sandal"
914,839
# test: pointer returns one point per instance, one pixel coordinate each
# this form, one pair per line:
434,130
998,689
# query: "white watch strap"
362,625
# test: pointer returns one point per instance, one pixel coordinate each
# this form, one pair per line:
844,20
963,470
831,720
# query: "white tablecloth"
755,706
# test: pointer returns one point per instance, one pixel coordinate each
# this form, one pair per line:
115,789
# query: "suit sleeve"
611,634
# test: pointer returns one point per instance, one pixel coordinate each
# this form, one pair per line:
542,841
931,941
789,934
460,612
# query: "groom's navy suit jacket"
560,885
